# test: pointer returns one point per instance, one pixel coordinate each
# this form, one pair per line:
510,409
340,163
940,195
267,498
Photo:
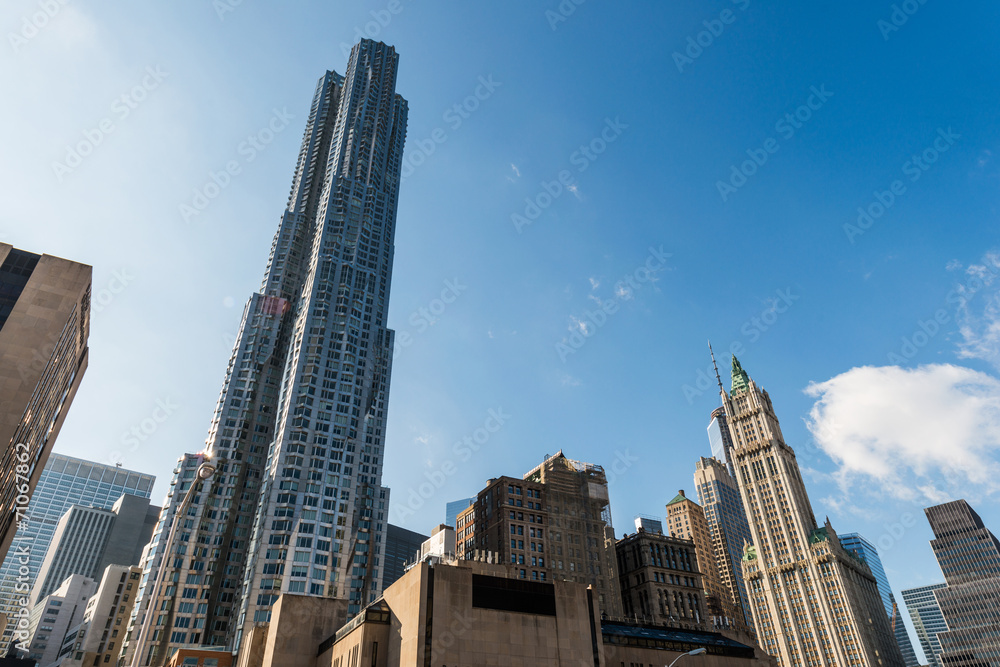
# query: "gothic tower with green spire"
813,603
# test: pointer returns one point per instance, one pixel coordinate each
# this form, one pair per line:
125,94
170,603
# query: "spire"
716,367
740,378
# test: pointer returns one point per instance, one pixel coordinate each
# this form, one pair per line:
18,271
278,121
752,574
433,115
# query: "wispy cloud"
979,319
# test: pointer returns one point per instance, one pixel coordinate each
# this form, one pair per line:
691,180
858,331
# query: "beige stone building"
98,639
686,520
552,524
464,613
813,603
44,327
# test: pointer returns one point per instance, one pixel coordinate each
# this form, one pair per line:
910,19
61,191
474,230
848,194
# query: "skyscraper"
88,539
401,548
813,603
65,481
928,621
44,327
866,551
686,520
296,504
728,530
719,439
969,556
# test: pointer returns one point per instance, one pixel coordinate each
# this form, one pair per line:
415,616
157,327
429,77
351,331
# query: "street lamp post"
697,651
205,471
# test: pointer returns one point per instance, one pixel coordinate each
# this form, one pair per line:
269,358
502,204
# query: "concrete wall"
300,623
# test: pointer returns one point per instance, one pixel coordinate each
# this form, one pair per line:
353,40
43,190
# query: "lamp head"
697,651
205,470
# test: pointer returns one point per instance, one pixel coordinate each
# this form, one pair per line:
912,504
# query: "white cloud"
515,169
921,433
594,283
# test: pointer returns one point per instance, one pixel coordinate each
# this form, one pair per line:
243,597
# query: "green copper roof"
740,378
818,535
750,553
678,498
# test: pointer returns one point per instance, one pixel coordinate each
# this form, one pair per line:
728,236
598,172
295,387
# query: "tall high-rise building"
401,548
88,539
719,439
686,519
65,481
813,603
728,530
969,556
928,621
866,551
454,508
44,327
296,504
554,523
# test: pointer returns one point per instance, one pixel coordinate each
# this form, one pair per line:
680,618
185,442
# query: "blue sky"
529,208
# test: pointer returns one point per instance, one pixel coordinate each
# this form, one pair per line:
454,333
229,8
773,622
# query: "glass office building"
866,551
65,481
928,621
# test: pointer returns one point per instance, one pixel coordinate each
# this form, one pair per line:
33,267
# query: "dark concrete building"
660,581
401,547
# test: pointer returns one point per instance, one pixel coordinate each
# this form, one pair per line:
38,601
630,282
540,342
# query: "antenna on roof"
715,366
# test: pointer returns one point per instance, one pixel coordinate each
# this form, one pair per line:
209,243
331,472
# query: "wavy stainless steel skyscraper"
296,504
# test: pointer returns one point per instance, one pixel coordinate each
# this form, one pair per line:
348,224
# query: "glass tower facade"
65,481
720,440
454,508
866,552
296,504
719,495
969,556
928,621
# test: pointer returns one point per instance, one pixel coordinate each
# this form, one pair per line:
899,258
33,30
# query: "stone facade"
660,580
44,327
553,524
813,602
